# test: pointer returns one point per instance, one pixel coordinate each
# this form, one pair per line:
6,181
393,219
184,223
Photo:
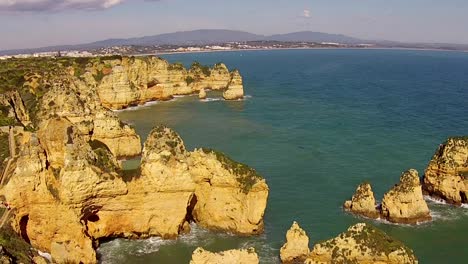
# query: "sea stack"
234,256
446,176
363,202
296,248
235,89
202,94
404,203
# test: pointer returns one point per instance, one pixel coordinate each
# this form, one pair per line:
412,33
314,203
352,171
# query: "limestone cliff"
235,256
131,81
230,195
73,190
12,109
361,243
70,98
404,203
446,176
296,248
363,202
235,88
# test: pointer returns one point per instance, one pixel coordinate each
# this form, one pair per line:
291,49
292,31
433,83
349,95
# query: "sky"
39,23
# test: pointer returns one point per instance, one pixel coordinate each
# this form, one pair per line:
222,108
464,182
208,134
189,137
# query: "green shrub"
189,80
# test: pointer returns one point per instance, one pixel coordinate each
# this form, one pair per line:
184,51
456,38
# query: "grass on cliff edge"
4,149
246,176
370,237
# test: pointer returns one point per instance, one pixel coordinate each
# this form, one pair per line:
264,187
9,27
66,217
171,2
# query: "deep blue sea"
315,124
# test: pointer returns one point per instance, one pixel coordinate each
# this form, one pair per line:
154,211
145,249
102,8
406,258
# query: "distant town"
164,49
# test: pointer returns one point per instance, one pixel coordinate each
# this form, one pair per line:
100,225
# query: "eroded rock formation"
64,179
131,81
446,176
363,202
403,203
296,248
235,88
73,190
361,243
235,256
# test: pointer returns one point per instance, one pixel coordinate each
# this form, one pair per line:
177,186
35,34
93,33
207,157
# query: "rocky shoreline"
64,181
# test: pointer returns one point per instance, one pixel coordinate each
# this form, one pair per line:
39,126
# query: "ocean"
315,124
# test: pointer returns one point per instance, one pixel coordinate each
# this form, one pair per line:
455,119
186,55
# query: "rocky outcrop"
363,202
131,81
235,256
361,243
202,94
446,176
404,203
235,89
73,190
230,196
296,248
70,98
12,109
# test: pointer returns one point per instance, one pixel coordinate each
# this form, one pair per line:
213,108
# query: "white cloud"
55,5
306,13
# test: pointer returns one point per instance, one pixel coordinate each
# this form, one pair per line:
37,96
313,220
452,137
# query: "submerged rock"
404,203
446,176
362,243
363,202
235,256
296,248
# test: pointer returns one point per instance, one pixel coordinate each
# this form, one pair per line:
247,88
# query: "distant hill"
309,36
196,37
203,36
214,36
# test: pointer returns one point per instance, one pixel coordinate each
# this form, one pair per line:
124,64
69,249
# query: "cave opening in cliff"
463,197
191,205
93,218
24,228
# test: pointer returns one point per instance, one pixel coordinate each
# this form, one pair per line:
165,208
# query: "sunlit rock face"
446,176
73,190
132,81
234,256
361,243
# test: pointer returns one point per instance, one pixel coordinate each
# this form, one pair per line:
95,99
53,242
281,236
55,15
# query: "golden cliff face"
132,81
70,98
363,202
446,176
404,203
73,190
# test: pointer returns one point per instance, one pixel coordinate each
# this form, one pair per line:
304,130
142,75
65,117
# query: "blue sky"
36,23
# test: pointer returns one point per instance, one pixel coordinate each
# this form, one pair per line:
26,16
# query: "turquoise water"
316,123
